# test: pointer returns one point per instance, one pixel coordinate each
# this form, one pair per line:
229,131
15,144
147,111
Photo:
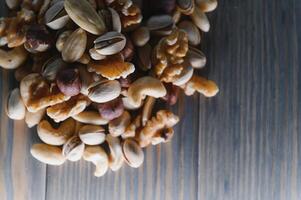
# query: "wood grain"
243,144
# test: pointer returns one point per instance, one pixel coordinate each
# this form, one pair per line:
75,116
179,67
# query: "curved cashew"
116,156
14,58
145,86
56,136
47,154
90,117
99,158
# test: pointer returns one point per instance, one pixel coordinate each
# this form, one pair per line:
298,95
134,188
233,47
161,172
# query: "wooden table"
244,144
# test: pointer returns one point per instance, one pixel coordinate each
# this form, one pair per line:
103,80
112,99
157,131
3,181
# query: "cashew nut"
145,86
147,109
118,125
90,117
56,136
47,154
33,119
14,58
99,158
116,156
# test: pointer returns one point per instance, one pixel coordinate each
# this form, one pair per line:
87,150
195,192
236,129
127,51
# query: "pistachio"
111,110
75,46
132,153
110,43
62,39
84,15
15,107
111,18
184,76
52,67
73,149
68,81
115,155
200,19
186,6
47,154
86,79
90,117
193,33
160,24
56,16
105,91
197,58
141,36
92,134
12,4
95,55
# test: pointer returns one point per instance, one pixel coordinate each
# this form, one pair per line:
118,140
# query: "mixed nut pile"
91,71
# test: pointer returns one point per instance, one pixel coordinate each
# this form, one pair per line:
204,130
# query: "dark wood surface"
244,144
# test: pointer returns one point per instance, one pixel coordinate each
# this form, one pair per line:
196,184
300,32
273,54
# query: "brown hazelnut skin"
68,82
38,39
172,94
112,109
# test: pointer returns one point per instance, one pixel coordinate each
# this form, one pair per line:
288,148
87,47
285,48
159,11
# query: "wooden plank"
169,170
250,133
21,177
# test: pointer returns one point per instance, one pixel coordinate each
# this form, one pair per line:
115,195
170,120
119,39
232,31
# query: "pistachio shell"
51,68
110,43
193,33
84,15
104,92
73,149
56,16
197,59
15,107
132,153
200,19
160,24
92,134
75,46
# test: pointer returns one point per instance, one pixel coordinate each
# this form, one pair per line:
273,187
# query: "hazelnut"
172,94
68,81
38,39
111,110
125,82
